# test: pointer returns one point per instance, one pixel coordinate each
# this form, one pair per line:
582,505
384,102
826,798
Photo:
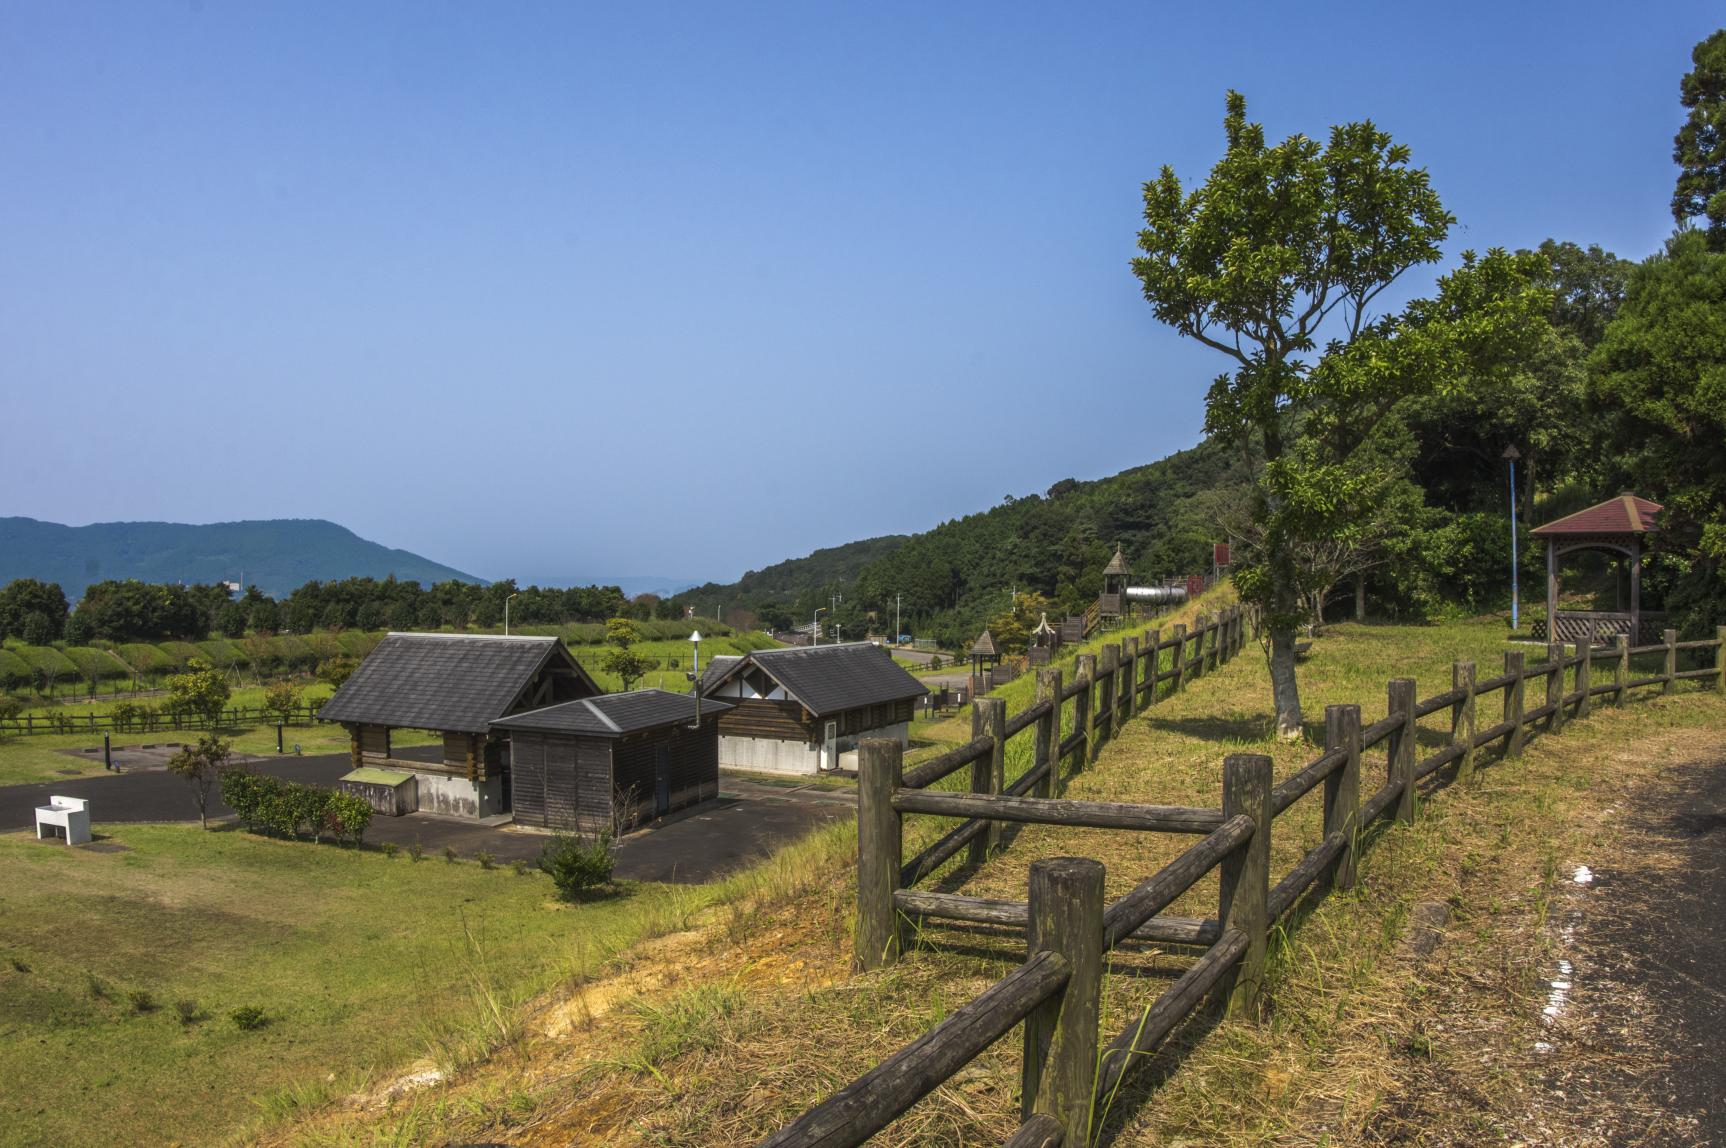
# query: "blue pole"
1513,589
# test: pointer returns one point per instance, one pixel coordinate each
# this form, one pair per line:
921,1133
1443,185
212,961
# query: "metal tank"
1157,595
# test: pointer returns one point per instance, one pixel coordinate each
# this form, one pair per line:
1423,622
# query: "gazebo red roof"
1626,514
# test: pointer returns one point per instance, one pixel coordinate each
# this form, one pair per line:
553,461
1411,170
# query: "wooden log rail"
1066,1077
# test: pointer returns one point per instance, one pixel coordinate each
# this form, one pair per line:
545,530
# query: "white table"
64,816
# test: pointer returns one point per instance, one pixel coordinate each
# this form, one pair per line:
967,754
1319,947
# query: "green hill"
948,579
276,555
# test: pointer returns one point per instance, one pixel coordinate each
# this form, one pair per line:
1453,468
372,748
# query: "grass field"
769,1019
361,963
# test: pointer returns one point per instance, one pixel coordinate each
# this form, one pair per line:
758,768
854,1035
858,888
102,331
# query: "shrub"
520,867
485,859
416,851
449,854
391,849
188,1011
266,804
248,1018
141,1000
577,865
97,987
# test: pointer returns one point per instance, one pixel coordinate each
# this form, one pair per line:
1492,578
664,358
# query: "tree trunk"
1284,693
1360,598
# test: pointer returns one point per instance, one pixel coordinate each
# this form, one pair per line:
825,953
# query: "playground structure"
1119,602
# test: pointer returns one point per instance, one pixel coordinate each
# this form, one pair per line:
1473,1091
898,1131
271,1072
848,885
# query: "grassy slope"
731,1056
360,961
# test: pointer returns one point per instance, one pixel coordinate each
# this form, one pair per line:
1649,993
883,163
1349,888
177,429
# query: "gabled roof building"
803,709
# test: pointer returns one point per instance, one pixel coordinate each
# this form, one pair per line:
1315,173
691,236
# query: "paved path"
747,823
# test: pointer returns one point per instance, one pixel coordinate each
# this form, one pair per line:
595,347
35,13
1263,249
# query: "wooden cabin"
613,761
455,685
803,709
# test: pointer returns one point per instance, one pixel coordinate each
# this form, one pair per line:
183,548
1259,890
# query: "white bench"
68,816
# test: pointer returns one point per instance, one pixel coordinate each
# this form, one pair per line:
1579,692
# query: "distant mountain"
276,555
786,581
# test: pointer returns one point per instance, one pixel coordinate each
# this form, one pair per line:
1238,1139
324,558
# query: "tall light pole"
1511,454
506,603
815,626
695,674
898,629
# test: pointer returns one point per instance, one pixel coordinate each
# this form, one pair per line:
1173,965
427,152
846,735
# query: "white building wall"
770,755
459,797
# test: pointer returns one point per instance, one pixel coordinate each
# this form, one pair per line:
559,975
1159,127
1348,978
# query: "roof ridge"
472,637
601,715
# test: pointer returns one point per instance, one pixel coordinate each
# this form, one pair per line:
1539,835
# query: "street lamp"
506,603
695,673
815,626
1511,454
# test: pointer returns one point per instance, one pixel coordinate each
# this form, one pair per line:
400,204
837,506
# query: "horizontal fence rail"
1068,1076
153,721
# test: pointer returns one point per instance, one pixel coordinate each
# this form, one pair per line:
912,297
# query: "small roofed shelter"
1112,603
613,761
1043,641
1617,526
985,656
455,685
802,709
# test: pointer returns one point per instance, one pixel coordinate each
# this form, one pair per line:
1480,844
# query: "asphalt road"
746,824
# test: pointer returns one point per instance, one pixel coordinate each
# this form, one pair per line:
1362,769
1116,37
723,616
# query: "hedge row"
266,804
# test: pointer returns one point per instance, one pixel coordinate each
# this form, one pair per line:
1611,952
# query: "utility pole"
897,628
1511,454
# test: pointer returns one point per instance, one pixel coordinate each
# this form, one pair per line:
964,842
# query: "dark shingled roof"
832,679
984,646
613,715
458,682
1626,514
716,669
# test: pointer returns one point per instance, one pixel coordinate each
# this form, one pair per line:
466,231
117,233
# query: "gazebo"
983,650
1043,642
1616,526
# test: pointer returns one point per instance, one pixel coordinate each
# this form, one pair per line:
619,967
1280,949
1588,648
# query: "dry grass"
1367,1034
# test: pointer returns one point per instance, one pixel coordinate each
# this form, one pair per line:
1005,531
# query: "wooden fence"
1067,1074
152,721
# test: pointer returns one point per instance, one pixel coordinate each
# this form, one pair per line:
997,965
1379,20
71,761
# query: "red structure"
1616,526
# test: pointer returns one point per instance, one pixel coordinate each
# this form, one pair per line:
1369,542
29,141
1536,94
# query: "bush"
248,1018
486,860
449,854
577,865
391,849
520,867
141,1000
188,1011
266,804
416,851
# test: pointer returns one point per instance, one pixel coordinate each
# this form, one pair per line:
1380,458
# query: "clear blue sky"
572,289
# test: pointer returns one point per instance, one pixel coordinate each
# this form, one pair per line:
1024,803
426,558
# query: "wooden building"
1618,527
613,761
455,685
803,709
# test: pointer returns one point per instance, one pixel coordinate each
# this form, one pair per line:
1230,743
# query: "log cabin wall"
693,758
561,782
758,717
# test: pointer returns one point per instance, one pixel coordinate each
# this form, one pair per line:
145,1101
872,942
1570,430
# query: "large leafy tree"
1661,378
24,597
1700,146
1288,244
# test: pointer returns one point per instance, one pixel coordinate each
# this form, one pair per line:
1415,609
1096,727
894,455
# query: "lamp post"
1511,454
695,673
506,603
898,628
815,626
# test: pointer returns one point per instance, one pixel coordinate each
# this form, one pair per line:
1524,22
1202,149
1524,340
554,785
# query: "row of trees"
37,612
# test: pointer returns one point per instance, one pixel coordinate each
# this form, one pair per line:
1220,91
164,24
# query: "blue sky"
582,290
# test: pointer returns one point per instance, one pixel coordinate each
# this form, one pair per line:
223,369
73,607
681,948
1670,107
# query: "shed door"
661,780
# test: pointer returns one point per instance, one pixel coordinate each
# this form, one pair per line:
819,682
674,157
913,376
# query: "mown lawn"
360,963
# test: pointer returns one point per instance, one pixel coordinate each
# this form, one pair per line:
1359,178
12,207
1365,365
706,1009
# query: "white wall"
770,755
459,797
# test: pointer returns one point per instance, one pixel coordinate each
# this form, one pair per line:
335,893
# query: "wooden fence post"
1201,627
1585,674
1107,669
988,773
1048,732
1085,668
1154,665
1720,658
1400,754
1059,1068
1245,898
1621,671
1342,788
1670,637
880,849
1513,702
1180,664
1462,717
1555,686
1129,675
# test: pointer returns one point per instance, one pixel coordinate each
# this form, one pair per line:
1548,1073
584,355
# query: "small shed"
1044,641
391,792
985,656
613,761
802,709
1616,526
455,685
